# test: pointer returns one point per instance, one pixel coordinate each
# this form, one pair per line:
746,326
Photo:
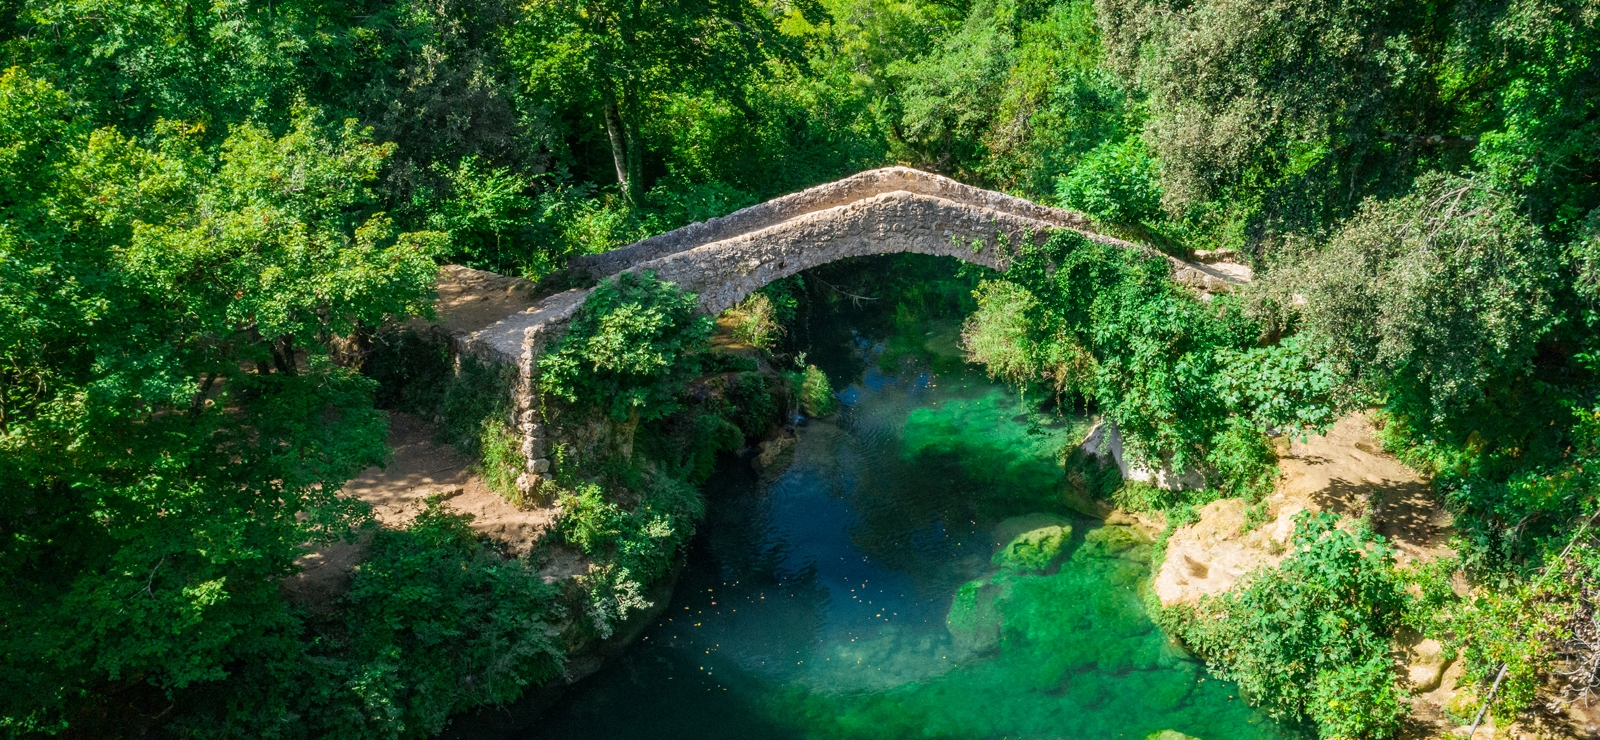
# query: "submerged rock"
776,454
974,620
1169,735
1008,529
1035,550
1121,541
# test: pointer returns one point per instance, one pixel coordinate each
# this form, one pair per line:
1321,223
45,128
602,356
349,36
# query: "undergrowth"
635,361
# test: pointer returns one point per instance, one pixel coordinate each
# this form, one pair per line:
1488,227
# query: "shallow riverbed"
815,599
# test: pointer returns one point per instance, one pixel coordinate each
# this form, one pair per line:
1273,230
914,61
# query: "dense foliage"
629,349
174,423
1180,377
437,622
211,209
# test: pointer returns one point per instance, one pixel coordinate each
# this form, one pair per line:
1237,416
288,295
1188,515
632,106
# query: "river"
815,596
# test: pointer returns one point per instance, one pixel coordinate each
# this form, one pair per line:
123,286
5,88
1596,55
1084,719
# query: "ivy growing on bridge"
629,349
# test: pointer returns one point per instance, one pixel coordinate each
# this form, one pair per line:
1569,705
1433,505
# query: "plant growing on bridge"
629,349
755,321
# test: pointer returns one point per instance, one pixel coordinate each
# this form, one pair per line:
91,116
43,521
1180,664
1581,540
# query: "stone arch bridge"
884,211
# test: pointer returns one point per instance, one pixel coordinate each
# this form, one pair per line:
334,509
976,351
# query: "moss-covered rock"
1121,541
1035,550
974,620
1169,735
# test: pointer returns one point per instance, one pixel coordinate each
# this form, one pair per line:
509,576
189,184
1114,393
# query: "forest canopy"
207,204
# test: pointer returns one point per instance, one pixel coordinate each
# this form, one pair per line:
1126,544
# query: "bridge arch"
884,211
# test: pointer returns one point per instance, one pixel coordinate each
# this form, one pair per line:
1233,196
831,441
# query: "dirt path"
472,299
418,469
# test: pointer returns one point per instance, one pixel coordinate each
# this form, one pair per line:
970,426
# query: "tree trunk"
635,160
620,146
283,355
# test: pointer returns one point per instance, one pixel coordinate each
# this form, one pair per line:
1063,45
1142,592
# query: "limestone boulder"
1426,663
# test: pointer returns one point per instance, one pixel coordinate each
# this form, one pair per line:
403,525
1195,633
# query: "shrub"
439,622
1284,386
501,459
755,322
1117,182
588,521
755,409
1309,641
629,349
1181,506
998,334
1358,701
816,395
1243,461
1529,627
630,549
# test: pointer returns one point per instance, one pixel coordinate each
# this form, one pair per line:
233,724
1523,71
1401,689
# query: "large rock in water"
1035,550
1169,735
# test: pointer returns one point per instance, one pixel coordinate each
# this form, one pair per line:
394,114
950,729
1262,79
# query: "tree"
620,55
1424,301
174,424
1285,112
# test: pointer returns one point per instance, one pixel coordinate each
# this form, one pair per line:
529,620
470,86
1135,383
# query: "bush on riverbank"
1309,641
816,393
625,388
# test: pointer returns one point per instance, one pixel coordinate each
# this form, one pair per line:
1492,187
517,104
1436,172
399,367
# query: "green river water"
815,597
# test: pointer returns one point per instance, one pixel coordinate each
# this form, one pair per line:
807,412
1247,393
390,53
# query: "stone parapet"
819,198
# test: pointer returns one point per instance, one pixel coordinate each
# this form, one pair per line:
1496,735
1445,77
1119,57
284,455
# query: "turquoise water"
816,595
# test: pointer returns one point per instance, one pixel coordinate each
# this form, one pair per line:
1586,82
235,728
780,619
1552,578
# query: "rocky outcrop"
1209,556
1105,442
1344,471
